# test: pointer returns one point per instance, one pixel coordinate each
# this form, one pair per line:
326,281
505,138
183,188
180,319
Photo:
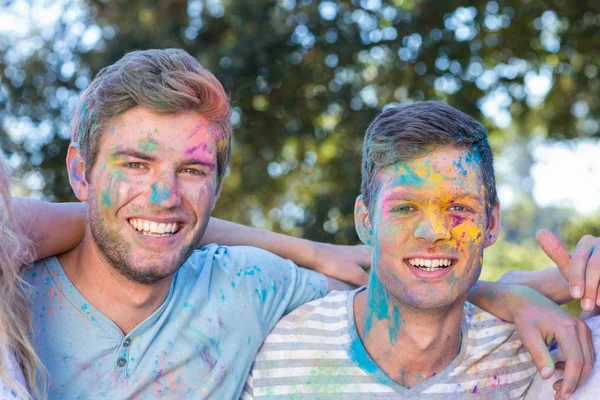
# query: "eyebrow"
198,161
148,157
407,194
133,153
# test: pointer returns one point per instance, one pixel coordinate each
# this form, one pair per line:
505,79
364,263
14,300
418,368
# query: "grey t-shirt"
315,353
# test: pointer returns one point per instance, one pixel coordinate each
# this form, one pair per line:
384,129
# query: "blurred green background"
307,76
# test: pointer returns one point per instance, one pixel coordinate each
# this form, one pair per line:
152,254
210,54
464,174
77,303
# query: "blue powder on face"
106,197
408,177
159,195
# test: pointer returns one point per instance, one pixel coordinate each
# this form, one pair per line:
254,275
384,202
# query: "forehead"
444,170
144,130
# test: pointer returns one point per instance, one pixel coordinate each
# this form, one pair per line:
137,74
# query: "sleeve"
272,285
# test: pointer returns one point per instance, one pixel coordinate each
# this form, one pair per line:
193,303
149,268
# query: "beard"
117,251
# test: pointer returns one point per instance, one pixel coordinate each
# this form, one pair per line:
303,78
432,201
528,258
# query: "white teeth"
151,228
430,265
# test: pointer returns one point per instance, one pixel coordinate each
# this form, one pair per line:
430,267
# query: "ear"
493,227
76,168
362,222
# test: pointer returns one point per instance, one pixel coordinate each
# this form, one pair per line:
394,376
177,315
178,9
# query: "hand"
582,269
538,321
345,263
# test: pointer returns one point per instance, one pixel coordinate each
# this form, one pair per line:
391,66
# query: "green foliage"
505,256
579,226
305,78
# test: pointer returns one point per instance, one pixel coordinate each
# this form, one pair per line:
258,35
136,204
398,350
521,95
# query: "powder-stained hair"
166,81
404,133
15,252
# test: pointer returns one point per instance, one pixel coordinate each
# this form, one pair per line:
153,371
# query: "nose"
432,228
164,191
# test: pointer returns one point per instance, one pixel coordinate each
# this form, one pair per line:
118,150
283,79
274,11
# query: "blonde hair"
15,251
161,80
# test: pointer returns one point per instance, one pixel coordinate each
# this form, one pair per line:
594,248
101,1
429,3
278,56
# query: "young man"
132,311
429,208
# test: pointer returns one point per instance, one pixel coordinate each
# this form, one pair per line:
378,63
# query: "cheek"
115,189
198,194
390,240
469,232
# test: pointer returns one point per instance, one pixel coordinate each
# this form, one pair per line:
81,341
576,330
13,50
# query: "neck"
125,302
408,344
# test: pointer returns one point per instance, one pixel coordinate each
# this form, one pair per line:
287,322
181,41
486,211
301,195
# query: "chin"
148,275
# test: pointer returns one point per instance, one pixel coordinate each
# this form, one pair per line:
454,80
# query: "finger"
579,260
554,249
536,346
592,349
587,347
569,342
556,394
556,385
592,280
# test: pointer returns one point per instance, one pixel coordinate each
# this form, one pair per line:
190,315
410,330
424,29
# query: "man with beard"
133,311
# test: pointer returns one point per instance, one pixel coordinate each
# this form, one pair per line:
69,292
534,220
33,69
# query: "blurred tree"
305,78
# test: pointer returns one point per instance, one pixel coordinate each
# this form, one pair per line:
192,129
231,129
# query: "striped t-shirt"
315,353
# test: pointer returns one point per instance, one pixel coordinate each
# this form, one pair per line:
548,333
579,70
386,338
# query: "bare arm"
549,282
345,263
538,321
52,227
57,227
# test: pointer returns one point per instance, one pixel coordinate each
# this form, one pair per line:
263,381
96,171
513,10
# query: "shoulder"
236,259
481,321
489,337
495,359
319,321
42,272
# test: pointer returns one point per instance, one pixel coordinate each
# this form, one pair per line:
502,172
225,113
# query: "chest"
195,347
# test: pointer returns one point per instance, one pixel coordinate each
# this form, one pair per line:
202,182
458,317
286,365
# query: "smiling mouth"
155,229
435,264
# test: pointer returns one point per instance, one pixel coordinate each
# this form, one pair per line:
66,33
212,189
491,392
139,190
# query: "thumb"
554,249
